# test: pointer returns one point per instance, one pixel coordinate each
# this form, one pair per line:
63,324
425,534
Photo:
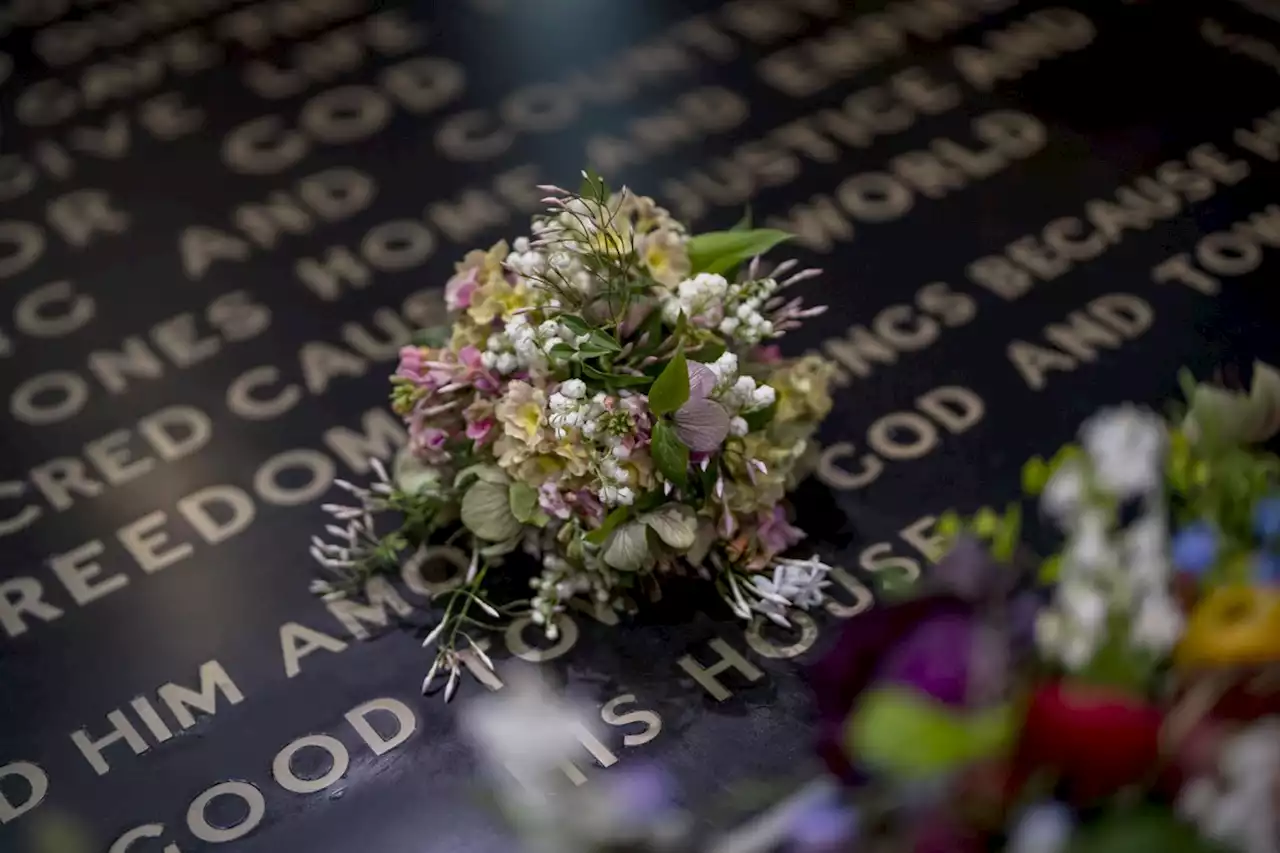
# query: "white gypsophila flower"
738,427
1083,606
1158,623
1088,547
1146,551
1238,808
763,397
725,369
1126,445
1063,494
701,299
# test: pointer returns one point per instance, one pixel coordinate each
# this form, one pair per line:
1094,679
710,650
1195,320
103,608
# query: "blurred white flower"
1158,623
1089,546
1043,828
1126,445
1064,493
526,733
1239,809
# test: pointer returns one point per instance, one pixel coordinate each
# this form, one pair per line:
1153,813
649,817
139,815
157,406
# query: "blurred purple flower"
645,792
822,823
944,644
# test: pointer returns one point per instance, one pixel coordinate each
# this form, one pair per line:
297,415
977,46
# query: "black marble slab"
254,195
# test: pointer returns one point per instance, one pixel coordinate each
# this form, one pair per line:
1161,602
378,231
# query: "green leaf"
1140,828
524,502
603,341
708,352
674,523
617,380
761,418
669,453
1005,541
563,351
411,475
487,473
612,520
744,224
486,512
574,323
670,390
434,337
722,251
628,548
705,536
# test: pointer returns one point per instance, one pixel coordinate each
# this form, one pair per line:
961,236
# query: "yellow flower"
640,466
803,389
523,413
495,297
665,257
467,333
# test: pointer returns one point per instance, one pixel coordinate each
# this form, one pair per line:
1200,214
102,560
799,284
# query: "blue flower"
1266,518
1195,548
1267,567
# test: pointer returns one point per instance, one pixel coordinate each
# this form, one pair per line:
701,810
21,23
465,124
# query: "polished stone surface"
708,107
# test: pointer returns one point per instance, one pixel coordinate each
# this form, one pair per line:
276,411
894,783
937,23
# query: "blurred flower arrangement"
1119,696
609,401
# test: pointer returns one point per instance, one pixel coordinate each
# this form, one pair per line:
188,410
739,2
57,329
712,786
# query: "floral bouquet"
610,401
1120,696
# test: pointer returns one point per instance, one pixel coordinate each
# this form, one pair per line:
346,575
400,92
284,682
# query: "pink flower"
458,290
411,362
776,534
771,354
552,501
479,431
427,442
589,505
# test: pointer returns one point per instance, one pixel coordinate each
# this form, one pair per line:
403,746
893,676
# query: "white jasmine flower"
1126,445
738,426
795,583
729,325
574,389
